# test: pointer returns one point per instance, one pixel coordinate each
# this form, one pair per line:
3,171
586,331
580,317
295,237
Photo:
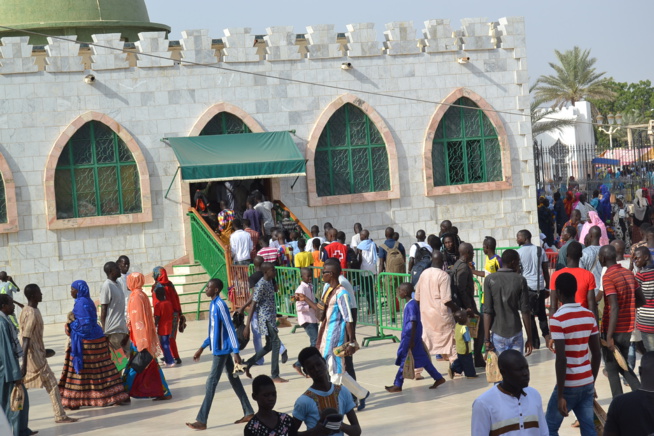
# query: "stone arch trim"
11,225
217,108
489,111
391,149
51,164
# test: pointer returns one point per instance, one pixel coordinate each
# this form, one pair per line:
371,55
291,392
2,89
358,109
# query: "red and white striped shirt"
575,325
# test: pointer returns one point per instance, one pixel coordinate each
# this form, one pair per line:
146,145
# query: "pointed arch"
312,146
8,217
503,181
217,108
145,214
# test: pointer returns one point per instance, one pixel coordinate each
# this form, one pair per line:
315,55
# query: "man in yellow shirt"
303,259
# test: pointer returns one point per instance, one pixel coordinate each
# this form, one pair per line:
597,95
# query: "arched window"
96,175
466,148
351,156
224,123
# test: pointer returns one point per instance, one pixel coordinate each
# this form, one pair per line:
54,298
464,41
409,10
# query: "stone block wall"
162,97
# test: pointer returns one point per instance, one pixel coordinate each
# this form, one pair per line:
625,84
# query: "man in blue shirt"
223,343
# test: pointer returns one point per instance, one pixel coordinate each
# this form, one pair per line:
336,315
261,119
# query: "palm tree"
542,120
575,80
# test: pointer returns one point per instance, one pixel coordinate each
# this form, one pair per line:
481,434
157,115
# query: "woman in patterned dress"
89,377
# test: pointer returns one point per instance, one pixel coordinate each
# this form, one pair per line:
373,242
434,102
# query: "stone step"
181,279
190,287
190,268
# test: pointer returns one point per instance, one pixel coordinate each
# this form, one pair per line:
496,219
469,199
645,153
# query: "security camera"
89,79
464,60
346,66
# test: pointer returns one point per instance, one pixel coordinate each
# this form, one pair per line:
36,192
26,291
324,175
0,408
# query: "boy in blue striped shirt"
223,343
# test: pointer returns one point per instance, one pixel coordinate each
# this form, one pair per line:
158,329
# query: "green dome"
76,17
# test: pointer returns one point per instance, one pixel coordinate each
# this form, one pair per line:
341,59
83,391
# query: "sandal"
196,425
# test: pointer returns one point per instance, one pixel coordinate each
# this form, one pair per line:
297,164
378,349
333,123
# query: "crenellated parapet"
279,44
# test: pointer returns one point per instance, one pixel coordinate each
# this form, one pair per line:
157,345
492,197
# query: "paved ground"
416,411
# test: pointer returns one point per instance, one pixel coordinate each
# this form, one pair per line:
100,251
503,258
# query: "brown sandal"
196,425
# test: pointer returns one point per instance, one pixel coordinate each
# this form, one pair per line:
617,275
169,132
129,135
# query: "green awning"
238,156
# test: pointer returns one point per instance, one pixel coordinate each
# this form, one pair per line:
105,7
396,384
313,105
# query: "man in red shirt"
585,294
335,249
619,317
163,319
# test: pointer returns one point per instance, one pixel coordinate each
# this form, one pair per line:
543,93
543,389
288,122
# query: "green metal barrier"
288,279
209,253
480,262
390,308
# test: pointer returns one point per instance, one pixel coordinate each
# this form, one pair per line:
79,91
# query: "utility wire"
302,82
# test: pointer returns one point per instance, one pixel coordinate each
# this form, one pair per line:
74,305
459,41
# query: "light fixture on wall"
89,79
346,66
463,60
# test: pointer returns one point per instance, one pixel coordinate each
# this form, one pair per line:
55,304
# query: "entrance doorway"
233,192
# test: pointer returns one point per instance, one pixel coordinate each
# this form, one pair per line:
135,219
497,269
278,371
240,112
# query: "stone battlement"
281,43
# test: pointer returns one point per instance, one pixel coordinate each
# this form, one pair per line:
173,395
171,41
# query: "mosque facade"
404,132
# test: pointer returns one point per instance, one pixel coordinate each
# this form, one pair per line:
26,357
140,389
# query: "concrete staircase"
189,279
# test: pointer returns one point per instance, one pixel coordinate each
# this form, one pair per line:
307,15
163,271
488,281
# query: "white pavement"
415,411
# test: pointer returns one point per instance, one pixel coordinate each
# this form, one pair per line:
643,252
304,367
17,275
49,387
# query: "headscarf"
161,276
576,202
142,330
604,208
594,220
569,199
85,326
640,205
647,196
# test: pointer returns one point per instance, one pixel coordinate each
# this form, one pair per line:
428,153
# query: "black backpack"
353,258
454,287
421,253
418,268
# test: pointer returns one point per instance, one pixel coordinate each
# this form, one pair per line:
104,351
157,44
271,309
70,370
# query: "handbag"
17,398
493,374
140,361
118,358
409,370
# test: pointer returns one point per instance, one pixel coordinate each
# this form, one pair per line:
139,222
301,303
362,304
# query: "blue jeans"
165,347
580,401
311,329
648,341
220,364
463,364
502,344
272,344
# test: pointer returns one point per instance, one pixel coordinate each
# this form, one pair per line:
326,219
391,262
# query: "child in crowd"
285,251
274,238
269,254
287,222
463,363
317,262
412,341
9,287
493,261
163,320
293,243
303,258
306,316
267,422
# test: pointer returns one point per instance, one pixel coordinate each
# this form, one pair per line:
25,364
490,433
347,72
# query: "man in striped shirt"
645,278
619,317
574,331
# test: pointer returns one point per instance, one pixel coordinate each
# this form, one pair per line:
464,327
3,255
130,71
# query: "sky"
619,33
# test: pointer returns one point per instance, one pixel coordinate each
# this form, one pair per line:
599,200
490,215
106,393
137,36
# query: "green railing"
210,253
391,308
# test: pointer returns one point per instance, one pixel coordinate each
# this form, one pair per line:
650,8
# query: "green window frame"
96,175
3,201
351,156
466,148
224,123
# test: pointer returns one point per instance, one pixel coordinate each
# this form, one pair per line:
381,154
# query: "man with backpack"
392,254
335,248
463,294
419,250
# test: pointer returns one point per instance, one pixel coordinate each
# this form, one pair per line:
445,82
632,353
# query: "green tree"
542,120
575,79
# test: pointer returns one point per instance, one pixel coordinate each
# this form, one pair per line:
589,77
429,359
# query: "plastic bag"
17,398
599,417
492,369
119,359
409,370
473,326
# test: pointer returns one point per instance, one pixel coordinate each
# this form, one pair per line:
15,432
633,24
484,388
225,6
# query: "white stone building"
483,182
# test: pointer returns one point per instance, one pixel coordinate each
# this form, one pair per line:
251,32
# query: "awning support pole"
171,183
296,178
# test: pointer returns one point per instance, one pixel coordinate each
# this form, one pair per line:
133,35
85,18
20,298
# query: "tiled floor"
416,411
